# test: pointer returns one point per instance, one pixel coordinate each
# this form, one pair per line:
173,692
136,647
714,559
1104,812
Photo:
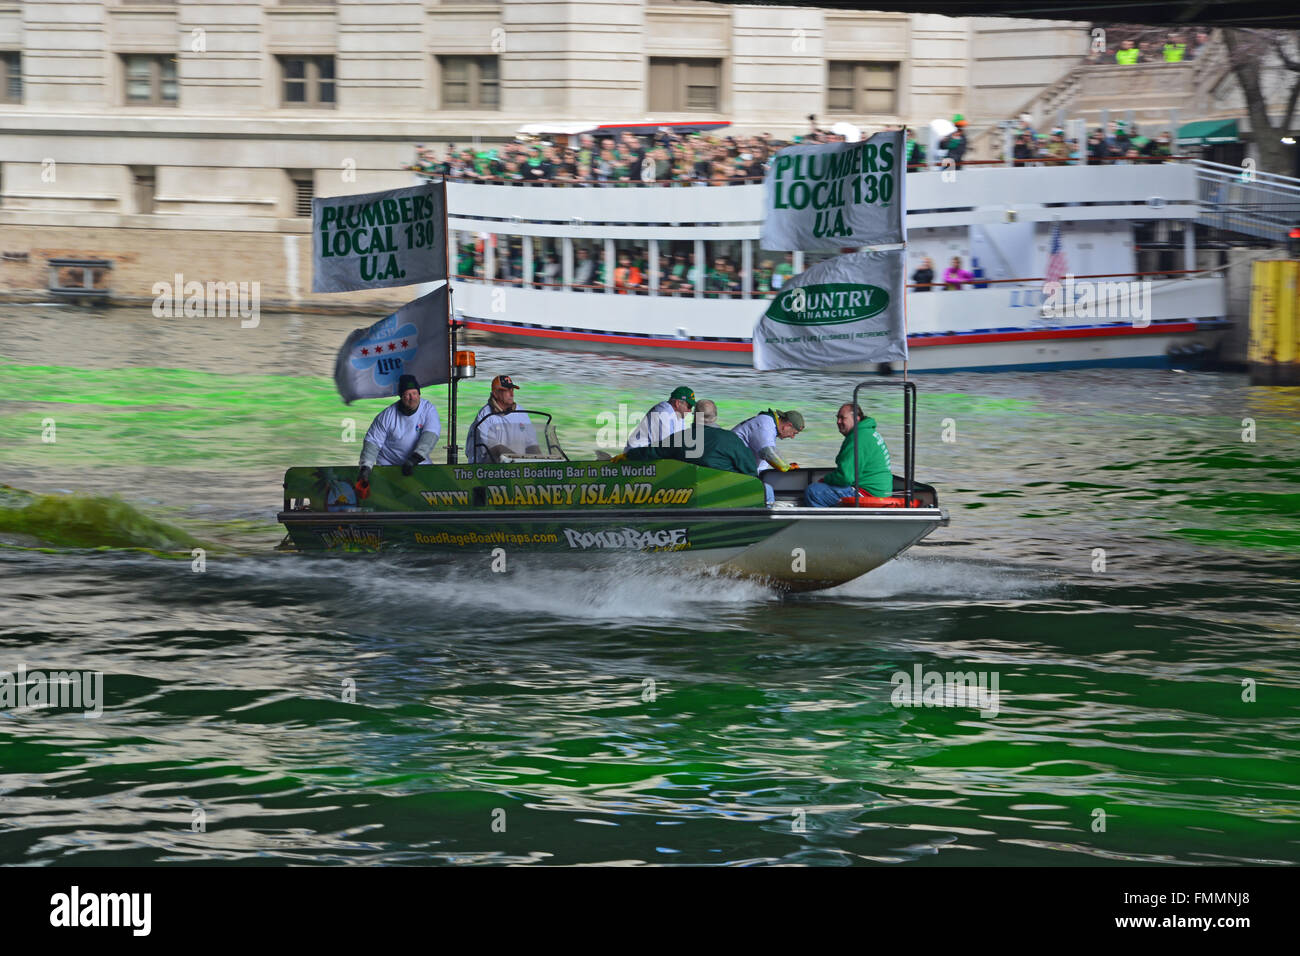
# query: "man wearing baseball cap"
761,432
501,426
663,420
403,434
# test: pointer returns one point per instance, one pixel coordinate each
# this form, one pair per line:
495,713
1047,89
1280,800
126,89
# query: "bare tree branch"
1280,48
1290,105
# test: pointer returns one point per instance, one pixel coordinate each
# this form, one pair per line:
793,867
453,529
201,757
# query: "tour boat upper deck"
676,270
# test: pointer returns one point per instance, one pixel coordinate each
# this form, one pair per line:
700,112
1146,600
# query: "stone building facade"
212,118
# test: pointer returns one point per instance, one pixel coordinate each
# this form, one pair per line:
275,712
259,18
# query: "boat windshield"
518,435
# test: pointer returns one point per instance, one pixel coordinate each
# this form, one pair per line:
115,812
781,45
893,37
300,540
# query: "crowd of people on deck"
664,157
668,158
406,432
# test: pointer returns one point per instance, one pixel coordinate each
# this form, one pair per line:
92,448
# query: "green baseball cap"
685,394
793,417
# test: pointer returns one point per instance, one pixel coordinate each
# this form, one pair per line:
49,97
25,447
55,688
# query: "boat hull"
586,513
1158,345
793,549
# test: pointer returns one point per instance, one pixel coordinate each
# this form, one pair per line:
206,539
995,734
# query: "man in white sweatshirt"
663,420
403,434
501,427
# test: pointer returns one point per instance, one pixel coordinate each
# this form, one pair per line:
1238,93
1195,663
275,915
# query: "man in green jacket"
874,475
705,445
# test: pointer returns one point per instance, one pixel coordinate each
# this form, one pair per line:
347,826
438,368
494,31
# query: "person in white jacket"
403,434
501,427
663,420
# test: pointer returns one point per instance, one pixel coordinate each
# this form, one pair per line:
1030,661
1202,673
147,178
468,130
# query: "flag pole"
452,381
902,194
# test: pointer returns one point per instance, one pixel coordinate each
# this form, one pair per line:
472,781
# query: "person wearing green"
1127,54
874,475
705,445
1175,50
782,273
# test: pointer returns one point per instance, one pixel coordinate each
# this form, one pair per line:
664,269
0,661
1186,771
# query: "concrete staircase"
1157,96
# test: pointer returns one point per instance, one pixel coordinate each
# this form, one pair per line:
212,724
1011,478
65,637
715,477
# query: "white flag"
844,311
379,240
836,195
414,340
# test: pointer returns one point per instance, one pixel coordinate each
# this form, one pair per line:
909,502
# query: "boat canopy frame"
909,438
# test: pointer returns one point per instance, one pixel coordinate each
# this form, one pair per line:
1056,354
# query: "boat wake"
915,577
414,588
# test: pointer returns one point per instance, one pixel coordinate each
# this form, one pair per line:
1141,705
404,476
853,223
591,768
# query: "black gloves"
413,459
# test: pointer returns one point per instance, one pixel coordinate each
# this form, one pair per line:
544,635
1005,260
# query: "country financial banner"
837,195
844,311
414,340
379,240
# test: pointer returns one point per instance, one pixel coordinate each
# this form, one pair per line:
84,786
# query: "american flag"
1056,267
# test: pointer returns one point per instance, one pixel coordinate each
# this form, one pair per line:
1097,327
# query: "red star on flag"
365,351
392,347
404,343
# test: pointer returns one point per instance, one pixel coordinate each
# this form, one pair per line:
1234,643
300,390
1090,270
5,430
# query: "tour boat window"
677,276
588,265
547,262
724,259
772,270
631,267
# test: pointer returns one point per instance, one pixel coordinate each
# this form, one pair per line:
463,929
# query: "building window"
678,86
304,189
150,79
470,82
308,81
862,88
11,77
143,187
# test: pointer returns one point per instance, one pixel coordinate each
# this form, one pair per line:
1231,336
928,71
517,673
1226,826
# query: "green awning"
1208,132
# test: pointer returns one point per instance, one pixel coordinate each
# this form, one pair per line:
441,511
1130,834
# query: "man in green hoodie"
874,475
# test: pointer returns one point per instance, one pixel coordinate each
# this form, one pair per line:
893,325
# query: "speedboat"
589,513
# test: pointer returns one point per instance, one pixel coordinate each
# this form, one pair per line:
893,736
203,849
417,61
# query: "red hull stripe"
914,341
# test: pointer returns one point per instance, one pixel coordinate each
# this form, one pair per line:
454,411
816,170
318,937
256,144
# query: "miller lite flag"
836,195
414,340
846,311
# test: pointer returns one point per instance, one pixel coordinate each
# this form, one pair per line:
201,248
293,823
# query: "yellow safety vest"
1126,56
1174,52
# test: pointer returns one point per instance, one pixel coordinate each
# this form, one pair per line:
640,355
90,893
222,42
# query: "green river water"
1146,710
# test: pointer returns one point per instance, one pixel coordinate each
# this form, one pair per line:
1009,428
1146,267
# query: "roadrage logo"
352,538
629,539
